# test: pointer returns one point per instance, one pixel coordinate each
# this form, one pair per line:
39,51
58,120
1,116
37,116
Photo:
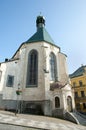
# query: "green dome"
41,34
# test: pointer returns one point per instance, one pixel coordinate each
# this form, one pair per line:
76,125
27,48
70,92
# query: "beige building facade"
78,82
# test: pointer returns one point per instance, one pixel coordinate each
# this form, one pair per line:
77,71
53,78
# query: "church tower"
39,70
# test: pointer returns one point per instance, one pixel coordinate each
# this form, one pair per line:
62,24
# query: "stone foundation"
58,113
29,107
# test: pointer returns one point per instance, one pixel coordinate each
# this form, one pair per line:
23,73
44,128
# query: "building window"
52,67
57,102
78,106
82,94
0,74
32,70
74,84
84,105
80,83
76,94
10,81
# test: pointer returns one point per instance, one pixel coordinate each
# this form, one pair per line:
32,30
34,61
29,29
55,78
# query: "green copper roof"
41,35
80,71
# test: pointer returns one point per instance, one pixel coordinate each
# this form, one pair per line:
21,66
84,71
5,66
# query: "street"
12,127
8,121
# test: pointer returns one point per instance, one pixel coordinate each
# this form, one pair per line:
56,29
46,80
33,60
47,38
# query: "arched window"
52,67
32,70
57,102
69,103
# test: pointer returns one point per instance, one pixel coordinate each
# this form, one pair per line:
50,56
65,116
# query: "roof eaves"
18,49
76,76
10,60
44,41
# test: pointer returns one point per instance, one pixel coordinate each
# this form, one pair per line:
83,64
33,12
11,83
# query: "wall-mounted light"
46,71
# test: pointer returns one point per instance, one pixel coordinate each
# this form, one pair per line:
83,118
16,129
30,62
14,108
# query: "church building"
36,77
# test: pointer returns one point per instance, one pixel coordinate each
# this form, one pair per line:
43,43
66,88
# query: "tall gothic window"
32,70
52,67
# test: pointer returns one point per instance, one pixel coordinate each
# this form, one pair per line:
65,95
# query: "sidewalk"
42,122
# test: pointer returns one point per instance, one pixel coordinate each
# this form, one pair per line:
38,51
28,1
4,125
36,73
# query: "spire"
41,33
40,22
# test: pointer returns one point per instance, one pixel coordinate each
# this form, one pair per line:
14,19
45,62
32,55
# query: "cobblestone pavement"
42,122
13,127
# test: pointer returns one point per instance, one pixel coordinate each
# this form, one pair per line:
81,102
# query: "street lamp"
18,93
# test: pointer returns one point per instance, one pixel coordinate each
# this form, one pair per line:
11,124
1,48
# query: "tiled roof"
80,71
41,35
56,85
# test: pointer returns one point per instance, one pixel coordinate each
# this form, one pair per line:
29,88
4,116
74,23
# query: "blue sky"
65,22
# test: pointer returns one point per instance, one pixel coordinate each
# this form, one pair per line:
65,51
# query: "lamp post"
18,93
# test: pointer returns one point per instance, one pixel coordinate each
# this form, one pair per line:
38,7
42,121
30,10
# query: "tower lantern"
40,22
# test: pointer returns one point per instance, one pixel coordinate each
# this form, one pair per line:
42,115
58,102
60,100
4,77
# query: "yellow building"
78,82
